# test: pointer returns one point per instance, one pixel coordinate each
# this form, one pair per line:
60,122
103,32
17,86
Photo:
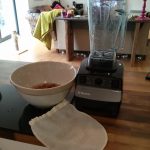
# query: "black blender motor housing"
99,84
102,60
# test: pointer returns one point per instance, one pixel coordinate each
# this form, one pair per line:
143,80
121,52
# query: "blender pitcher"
107,24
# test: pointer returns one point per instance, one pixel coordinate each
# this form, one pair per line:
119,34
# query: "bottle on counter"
14,37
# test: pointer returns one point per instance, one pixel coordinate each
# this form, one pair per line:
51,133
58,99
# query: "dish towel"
66,128
44,26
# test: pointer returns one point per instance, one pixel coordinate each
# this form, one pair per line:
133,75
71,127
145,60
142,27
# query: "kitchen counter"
135,42
129,131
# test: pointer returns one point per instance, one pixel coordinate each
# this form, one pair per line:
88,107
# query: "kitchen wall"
131,4
137,5
33,3
69,2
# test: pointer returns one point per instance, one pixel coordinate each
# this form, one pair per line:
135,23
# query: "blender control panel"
100,82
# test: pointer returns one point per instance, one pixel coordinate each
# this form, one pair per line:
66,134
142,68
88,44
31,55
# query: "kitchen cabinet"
81,36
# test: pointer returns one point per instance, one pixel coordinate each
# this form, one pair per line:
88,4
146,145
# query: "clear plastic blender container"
107,24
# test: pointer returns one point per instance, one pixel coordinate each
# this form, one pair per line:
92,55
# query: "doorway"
8,19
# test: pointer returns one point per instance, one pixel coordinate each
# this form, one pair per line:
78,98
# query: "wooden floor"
36,51
33,50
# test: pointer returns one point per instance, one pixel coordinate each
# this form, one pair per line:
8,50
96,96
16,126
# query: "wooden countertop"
129,131
81,18
85,18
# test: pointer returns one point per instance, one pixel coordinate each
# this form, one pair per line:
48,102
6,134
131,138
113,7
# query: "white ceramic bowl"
27,76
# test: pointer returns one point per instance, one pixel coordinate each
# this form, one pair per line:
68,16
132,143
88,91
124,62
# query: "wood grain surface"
129,131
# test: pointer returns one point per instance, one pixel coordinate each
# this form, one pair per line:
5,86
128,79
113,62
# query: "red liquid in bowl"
45,85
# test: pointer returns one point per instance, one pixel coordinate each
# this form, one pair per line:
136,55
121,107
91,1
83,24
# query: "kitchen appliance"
99,80
78,8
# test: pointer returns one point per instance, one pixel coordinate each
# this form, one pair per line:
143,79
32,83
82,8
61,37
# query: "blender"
99,82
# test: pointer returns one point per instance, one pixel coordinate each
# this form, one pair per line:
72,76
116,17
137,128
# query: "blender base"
109,109
98,91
